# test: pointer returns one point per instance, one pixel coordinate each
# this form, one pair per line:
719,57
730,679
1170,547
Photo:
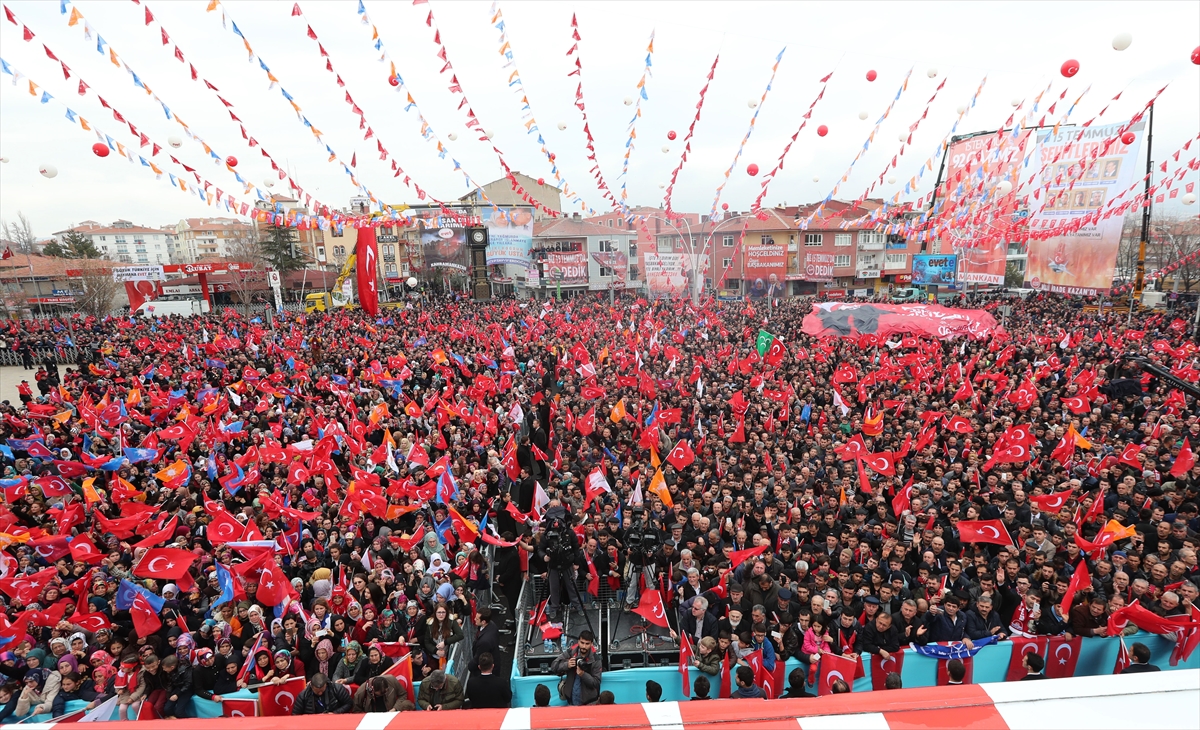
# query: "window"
320,253
842,261
142,259
605,272
727,241
768,239
104,238
896,261
335,231
726,263
841,239
120,239
386,230
813,239
609,247
869,238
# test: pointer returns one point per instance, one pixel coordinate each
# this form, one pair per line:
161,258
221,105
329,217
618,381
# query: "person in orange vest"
25,392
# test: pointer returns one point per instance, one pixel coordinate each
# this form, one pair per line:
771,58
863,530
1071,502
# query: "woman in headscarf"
204,673
373,666
347,668
324,660
441,632
226,681
430,546
320,613
367,630
227,651
262,669
256,619
414,622
285,667
389,628
340,630
102,685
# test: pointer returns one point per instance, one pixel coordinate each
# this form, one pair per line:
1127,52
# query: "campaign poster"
851,319
510,235
618,262
1080,174
445,248
982,257
667,274
766,269
934,269
819,266
568,269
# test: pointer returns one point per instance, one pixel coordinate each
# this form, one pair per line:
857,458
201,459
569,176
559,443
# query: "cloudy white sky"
1019,47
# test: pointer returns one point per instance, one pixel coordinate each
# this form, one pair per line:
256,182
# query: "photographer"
580,670
641,554
558,553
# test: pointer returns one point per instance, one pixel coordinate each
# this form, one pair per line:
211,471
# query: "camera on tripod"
559,543
642,539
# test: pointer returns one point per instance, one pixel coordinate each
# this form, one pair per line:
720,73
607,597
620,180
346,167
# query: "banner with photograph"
934,270
445,249
1083,179
766,268
568,269
851,319
510,235
819,266
667,274
618,262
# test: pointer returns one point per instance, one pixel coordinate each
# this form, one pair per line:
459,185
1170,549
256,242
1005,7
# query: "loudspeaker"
477,241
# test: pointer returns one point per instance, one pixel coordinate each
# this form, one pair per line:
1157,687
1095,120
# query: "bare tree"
99,289
243,246
21,234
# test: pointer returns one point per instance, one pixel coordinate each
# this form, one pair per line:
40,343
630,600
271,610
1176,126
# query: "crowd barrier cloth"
1151,700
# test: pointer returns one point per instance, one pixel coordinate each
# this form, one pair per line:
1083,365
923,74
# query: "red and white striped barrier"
1159,700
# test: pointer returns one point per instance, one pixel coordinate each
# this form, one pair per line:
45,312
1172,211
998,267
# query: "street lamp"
696,255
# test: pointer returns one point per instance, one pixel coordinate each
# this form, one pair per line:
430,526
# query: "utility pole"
1140,278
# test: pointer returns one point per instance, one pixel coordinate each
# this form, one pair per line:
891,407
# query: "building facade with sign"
574,256
123,241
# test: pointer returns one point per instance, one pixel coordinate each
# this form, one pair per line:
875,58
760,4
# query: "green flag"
764,342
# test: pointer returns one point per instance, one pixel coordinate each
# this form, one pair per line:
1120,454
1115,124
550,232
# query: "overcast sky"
1019,47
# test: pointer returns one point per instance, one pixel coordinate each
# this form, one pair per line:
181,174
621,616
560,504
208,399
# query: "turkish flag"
367,271
168,563
1051,502
739,434
239,707
834,667
1129,455
882,462
852,449
737,557
958,424
586,423
1021,647
881,668
590,392
1185,461
685,660
145,619
297,474
224,528
768,680
272,585
943,675
91,621
1062,656
51,548
775,353
1077,404
402,671
1080,580
83,550
651,607
279,699
990,531
681,456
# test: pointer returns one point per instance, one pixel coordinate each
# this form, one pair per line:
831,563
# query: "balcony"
872,246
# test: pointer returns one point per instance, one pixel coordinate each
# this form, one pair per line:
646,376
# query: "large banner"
667,274
445,249
366,269
1080,181
981,258
618,261
935,270
850,319
819,266
510,235
766,269
568,269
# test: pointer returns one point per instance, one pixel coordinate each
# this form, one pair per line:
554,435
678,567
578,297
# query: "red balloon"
1070,67
1196,56
822,130
671,134
100,149
393,81
231,161
724,206
1128,137
541,181
752,169
871,75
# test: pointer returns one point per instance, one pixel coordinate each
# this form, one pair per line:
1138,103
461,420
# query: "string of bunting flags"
579,103
630,143
530,121
788,147
687,140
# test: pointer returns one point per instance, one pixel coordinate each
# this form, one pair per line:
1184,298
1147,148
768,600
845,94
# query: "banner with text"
819,266
766,268
1084,178
568,269
445,249
667,274
510,235
851,319
934,270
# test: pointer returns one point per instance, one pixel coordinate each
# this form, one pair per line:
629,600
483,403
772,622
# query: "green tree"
280,249
1013,276
74,246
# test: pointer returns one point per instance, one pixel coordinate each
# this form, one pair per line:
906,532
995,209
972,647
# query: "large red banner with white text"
851,319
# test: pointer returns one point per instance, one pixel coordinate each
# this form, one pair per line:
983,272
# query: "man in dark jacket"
440,691
382,694
485,688
487,640
949,624
880,637
697,620
1140,655
580,670
321,697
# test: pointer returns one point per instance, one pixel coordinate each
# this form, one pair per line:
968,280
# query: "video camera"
642,539
558,542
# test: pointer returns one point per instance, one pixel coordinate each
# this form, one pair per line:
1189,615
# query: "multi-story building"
123,241
500,193
213,237
310,242
569,255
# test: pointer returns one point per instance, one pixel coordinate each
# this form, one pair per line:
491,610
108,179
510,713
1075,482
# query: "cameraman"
580,670
558,553
641,555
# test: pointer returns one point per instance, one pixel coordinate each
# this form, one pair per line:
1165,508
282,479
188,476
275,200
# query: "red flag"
651,607
1062,656
882,462
224,528
881,668
737,557
367,265
231,707
145,619
402,671
834,667
990,531
279,699
1080,580
1185,461
958,424
943,675
1129,455
91,621
586,423
1123,658
681,456
1051,502
169,563
685,660
1021,647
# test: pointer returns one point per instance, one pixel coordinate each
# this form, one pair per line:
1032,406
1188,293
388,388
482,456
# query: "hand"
214,698
173,698
884,655
571,663
674,635
579,671
920,630
437,707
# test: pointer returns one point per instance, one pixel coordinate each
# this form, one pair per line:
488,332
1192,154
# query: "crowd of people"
207,505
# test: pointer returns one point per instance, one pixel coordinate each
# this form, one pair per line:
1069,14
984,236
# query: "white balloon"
891,179
489,133
863,115
661,186
175,141
48,171
562,126
1003,188
666,149
931,73
412,282
628,101
903,137
1015,102
752,103
1121,41
269,183
1189,199
962,109
452,136
816,178
3,159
